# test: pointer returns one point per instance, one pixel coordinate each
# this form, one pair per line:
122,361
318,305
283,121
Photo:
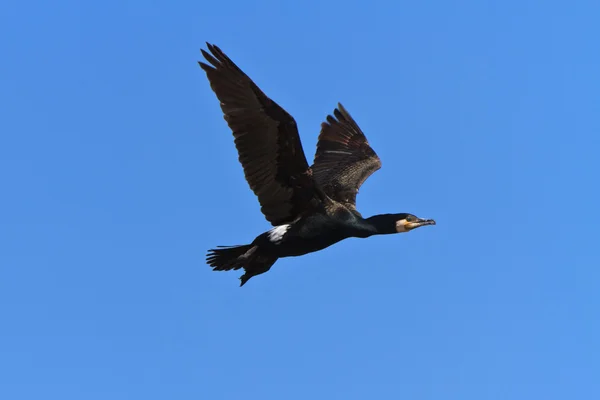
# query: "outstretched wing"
344,159
266,138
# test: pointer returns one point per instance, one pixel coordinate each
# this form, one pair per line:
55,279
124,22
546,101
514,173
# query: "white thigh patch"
276,234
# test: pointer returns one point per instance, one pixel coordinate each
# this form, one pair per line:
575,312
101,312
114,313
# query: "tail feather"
226,258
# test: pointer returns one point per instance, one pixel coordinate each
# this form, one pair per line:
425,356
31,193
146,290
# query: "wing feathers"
266,138
344,159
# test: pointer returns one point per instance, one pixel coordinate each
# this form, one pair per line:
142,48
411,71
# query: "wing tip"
342,114
216,56
212,47
205,66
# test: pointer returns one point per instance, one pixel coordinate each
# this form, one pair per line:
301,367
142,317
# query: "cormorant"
310,207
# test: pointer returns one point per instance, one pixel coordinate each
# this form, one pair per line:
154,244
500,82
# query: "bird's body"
310,207
315,232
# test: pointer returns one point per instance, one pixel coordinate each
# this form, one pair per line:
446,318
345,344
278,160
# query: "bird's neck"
382,224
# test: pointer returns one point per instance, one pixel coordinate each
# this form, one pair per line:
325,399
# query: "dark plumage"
310,208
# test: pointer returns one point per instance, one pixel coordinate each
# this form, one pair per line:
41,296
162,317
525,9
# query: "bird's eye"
410,219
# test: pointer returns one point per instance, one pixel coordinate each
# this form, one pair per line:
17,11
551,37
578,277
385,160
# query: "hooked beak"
418,223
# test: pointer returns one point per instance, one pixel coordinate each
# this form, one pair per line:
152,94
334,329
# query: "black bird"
310,208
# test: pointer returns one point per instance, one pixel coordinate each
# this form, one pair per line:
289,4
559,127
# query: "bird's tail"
226,258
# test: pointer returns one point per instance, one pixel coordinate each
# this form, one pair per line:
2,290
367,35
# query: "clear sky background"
117,173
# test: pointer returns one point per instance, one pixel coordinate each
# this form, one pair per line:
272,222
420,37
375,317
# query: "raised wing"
344,159
266,138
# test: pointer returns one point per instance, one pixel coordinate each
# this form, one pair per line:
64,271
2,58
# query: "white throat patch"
276,234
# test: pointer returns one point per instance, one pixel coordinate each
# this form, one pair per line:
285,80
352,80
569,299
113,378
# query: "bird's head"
408,222
397,223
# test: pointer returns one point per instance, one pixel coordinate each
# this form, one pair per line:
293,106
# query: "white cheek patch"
400,226
276,234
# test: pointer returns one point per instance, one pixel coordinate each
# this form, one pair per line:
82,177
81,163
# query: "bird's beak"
418,223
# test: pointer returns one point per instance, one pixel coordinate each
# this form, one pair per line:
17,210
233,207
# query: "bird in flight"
310,207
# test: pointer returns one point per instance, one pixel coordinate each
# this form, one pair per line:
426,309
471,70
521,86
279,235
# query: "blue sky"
118,173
